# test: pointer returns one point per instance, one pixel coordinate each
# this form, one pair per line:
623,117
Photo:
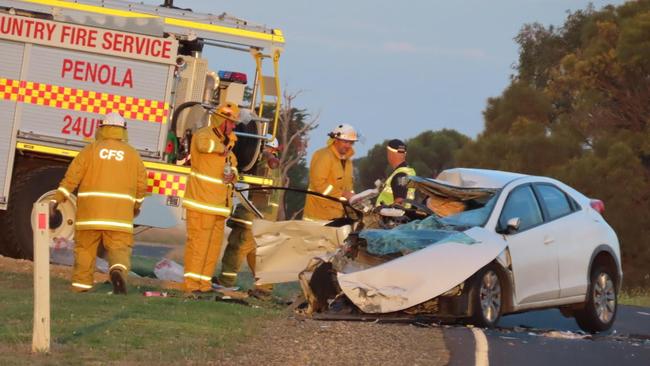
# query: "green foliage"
578,110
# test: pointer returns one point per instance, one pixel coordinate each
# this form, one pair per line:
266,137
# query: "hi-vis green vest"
386,196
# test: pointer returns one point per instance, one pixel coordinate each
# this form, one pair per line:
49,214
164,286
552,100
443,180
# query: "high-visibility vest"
386,195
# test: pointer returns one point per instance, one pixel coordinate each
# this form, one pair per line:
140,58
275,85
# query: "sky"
393,69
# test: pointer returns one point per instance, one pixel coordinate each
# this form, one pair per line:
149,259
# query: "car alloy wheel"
600,307
604,297
490,296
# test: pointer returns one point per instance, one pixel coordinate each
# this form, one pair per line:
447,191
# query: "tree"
294,126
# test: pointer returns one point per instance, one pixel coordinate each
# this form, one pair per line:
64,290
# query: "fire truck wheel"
27,186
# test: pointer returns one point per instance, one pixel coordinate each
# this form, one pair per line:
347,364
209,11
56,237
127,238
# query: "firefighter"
330,173
112,183
241,244
396,186
208,198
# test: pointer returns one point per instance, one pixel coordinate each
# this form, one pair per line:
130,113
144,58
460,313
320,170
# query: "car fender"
422,275
608,249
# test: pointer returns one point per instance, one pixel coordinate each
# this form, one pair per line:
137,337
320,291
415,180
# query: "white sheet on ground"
420,276
284,248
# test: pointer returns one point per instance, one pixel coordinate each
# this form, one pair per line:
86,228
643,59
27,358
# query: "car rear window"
555,200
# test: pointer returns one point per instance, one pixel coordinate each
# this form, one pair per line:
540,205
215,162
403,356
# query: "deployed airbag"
285,248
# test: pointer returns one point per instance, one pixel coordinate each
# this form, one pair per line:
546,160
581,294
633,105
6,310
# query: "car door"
564,227
532,250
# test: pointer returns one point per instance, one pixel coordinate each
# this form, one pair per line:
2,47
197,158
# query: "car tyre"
487,296
599,311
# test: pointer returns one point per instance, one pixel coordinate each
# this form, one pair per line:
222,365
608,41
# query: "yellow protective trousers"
118,246
202,249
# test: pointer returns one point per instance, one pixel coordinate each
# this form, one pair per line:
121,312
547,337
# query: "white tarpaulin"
284,248
420,276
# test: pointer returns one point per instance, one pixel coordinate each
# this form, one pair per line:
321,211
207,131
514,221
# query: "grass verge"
638,297
96,327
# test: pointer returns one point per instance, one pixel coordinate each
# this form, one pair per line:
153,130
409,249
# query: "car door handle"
548,241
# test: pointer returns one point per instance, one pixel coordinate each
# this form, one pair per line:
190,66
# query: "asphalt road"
545,337
542,337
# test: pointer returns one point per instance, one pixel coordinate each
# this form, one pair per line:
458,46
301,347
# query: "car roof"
478,178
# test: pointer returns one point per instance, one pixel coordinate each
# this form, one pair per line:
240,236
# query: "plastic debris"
168,270
155,294
565,335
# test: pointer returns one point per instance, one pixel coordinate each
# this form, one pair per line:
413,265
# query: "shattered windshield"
475,217
419,234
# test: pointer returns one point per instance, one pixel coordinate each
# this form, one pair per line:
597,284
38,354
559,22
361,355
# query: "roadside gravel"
289,341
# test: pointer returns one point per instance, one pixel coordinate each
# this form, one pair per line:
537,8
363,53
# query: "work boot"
118,281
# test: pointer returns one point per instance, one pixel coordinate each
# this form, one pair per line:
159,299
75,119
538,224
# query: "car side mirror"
513,225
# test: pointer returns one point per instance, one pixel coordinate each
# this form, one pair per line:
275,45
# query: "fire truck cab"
64,64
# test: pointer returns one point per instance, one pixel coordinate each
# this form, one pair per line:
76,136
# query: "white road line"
481,354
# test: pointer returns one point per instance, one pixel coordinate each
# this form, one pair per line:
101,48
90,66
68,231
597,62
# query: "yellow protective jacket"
206,191
112,182
327,175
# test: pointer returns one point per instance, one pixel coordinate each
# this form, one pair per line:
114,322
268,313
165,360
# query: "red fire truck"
64,64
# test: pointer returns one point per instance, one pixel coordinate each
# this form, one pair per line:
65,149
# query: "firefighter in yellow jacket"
208,198
112,184
330,173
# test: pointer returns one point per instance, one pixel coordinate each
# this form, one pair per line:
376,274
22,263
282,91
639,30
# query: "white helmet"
273,144
113,119
344,132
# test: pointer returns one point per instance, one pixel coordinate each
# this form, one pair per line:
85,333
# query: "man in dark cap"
396,187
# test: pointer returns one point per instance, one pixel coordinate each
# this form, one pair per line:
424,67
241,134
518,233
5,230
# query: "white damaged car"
480,244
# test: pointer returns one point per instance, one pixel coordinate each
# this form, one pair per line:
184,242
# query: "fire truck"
64,64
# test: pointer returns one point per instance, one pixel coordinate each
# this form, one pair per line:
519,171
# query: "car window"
521,203
555,200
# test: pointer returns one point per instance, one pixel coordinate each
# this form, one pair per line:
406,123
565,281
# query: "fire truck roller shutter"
31,179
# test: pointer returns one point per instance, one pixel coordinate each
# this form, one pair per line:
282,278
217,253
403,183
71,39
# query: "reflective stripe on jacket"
206,191
112,181
386,195
328,176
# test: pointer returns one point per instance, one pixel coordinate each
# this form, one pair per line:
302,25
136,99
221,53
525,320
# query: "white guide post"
40,226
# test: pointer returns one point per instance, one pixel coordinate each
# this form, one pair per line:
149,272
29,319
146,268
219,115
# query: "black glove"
56,218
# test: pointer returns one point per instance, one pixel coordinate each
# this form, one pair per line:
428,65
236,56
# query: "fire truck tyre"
27,186
247,149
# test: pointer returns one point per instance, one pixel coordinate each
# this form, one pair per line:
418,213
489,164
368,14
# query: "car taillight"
598,205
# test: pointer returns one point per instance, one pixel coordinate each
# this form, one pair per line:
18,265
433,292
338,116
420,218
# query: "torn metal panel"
436,187
477,178
285,248
417,277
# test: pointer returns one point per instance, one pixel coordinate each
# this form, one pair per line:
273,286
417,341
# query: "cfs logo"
108,154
